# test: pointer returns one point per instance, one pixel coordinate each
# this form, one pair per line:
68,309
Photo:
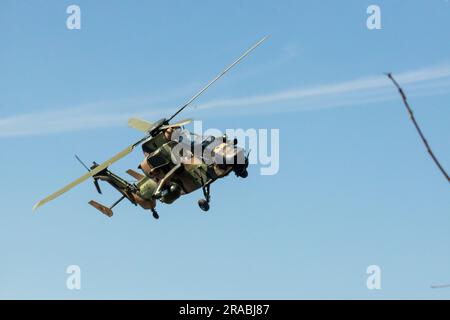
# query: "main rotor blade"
177,124
139,124
88,175
218,76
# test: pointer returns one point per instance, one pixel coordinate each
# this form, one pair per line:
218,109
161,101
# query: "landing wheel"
203,204
155,214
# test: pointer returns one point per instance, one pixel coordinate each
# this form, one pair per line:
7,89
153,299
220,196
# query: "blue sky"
355,186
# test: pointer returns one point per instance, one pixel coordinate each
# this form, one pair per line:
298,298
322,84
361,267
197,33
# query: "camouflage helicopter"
166,176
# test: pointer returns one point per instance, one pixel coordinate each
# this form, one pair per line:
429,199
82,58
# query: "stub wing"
135,175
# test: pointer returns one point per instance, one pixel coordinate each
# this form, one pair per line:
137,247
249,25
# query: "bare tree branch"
413,119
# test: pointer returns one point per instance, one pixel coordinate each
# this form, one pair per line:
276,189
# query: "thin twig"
411,115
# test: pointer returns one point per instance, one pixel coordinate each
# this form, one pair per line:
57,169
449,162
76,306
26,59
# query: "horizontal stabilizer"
105,210
135,175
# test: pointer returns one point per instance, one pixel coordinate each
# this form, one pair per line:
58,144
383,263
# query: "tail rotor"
94,165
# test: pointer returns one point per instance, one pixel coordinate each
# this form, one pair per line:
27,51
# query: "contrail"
440,286
428,81
366,84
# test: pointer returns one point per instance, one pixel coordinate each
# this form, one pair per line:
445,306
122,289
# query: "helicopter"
175,162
